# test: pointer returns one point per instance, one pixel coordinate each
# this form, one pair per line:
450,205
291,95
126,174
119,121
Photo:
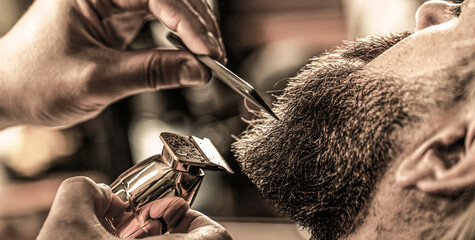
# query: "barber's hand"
64,61
79,202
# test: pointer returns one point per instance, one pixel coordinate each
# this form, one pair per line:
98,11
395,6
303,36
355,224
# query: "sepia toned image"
227,119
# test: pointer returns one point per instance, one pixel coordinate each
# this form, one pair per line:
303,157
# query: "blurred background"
267,41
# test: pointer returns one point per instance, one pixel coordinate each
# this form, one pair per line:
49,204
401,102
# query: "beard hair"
441,217
462,228
321,160
320,163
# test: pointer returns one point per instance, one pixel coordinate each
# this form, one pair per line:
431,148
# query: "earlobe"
442,164
433,13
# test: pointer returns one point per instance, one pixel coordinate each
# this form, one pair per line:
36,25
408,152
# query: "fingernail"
103,185
213,43
189,73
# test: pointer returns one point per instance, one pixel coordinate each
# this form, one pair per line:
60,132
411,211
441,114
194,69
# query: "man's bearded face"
341,118
321,160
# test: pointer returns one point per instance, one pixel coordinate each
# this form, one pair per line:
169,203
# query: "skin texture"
66,66
334,126
352,117
66,222
65,61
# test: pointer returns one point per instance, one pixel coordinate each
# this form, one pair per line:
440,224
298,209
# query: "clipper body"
177,172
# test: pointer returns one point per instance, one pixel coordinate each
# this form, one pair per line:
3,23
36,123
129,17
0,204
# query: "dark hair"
321,161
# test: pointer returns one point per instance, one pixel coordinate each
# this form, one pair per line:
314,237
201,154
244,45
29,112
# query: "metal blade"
236,83
227,77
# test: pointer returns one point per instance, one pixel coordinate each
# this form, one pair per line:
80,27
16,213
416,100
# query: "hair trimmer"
176,172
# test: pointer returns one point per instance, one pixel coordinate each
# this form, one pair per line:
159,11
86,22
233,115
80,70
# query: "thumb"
74,213
195,225
131,72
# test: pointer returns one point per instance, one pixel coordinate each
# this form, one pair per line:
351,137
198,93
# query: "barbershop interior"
267,42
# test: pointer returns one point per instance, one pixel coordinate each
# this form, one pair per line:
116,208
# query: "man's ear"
442,164
433,13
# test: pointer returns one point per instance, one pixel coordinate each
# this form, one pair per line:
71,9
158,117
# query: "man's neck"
407,214
376,227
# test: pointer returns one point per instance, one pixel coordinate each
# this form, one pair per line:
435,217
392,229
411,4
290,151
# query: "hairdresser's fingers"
131,4
129,72
193,20
204,10
117,206
82,193
155,218
195,225
173,213
74,213
180,16
170,209
199,7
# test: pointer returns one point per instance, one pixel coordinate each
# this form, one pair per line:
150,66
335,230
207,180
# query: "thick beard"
321,161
